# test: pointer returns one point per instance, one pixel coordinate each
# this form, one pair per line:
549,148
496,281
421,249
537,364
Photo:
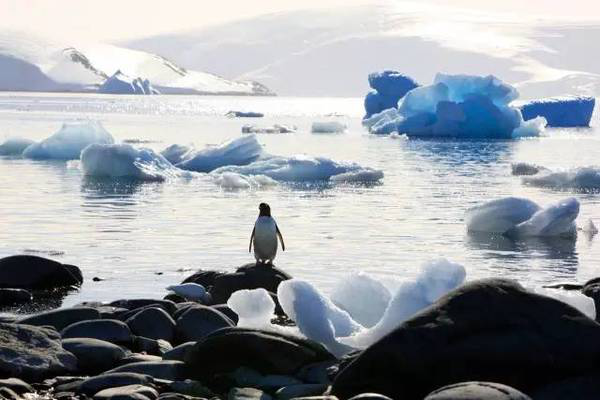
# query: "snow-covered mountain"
30,63
330,52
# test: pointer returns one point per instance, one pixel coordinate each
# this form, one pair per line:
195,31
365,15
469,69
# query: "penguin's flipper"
251,238
280,238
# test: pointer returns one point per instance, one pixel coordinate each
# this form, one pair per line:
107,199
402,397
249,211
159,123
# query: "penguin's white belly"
265,239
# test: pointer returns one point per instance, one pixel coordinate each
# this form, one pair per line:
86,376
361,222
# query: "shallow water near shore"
141,237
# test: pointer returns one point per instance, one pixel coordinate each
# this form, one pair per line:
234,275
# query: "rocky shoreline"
489,339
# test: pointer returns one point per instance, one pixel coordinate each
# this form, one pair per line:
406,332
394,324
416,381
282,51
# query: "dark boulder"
266,352
32,353
129,392
93,385
12,297
153,323
199,321
477,391
93,355
490,330
37,273
204,278
224,308
60,319
178,353
110,330
132,304
138,357
151,346
577,388
16,385
164,369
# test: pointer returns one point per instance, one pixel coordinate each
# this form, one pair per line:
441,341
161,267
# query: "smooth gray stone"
93,385
169,370
94,355
37,273
152,323
247,394
110,330
151,346
60,319
477,391
17,385
178,353
133,392
198,322
138,357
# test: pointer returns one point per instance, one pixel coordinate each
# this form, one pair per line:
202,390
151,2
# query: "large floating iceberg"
459,106
388,88
69,141
567,111
119,83
583,178
516,217
14,146
125,161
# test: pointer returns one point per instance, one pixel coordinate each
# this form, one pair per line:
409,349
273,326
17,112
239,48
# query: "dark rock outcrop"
93,355
12,297
199,321
153,323
110,330
93,385
60,319
37,273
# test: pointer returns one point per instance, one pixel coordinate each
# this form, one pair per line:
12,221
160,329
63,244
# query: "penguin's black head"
265,210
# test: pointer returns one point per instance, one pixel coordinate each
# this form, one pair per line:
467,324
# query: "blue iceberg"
388,88
458,106
119,83
567,111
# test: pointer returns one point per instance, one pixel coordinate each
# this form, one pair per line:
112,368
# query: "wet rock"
291,392
488,330
224,308
247,394
109,330
153,323
12,297
94,355
60,319
129,392
138,357
132,304
576,388
37,273
178,353
95,384
151,346
16,385
477,391
165,369
199,321
265,352
191,388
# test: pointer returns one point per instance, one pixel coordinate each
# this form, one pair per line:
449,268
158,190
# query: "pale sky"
115,20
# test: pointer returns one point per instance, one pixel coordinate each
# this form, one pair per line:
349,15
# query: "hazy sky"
113,20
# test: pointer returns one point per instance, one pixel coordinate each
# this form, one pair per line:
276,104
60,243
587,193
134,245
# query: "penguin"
265,235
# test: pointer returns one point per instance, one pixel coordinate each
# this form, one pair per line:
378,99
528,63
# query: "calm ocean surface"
141,237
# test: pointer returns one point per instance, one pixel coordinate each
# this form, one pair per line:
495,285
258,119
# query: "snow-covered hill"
330,52
30,63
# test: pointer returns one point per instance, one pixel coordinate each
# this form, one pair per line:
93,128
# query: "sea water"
141,237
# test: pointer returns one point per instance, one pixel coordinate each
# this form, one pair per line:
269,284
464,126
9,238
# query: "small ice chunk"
269,130
590,227
328,127
14,146
239,151
584,178
365,175
232,180
523,168
499,216
555,220
69,141
575,299
176,153
255,308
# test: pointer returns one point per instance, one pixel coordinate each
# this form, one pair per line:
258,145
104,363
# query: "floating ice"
458,106
239,151
255,308
176,153
575,299
119,83
125,161
14,146
360,176
328,127
363,297
584,178
388,88
523,168
270,129
244,114
517,217
69,141
567,111
304,169
231,180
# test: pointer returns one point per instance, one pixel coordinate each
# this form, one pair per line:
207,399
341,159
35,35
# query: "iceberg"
119,83
176,153
388,88
458,106
584,178
566,111
239,151
519,218
270,129
328,127
14,146
69,141
125,161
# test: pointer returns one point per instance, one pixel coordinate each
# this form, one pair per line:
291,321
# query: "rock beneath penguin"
371,396
224,308
33,353
488,330
93,385
178,353
129,392
191,388
13,297
132,304
109,330
153,323
37,273
265,352
16,385
151,346
60,319
164,369
204,278
93,355
247,394
249,276
576,388
198,322
311,389
476,391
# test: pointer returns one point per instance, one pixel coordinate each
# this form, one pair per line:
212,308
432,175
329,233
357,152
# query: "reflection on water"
456,153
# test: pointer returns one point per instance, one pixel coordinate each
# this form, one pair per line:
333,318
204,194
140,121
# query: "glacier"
14,146
119,83
388,88
519,218
564,111
458,106
69,141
